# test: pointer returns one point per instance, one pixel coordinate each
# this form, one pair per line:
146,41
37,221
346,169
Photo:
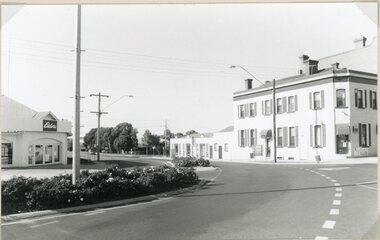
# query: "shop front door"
342,144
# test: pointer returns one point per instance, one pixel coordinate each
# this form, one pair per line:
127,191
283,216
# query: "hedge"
21,194
190,162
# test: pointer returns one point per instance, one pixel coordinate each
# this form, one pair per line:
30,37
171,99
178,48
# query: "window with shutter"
369,134
284,102
322,99
285,130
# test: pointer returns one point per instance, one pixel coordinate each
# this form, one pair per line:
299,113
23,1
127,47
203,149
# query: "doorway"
220,152
342,144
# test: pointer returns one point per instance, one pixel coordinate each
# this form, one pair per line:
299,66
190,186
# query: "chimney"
248,84
335,66
308,66
360,42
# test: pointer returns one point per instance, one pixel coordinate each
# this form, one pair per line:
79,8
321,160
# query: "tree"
179,134
124,137
105,138
151,140
191,132
89,139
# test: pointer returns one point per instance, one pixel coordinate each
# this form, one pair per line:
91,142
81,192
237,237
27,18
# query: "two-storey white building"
329,113
31,138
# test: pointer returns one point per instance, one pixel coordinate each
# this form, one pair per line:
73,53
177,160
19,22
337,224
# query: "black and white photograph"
223,121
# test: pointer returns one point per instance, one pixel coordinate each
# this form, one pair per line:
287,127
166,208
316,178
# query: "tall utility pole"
76,140
274,122
166,127
98,113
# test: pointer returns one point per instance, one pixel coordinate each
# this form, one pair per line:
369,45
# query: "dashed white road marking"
323,175
329,224
336,184
337,202
333,180
321,238
334,211
338,189
338,194
43,224
328,178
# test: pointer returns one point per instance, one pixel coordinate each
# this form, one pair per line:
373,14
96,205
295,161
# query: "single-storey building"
31,138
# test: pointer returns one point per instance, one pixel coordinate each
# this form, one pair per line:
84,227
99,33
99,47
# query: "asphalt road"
246,201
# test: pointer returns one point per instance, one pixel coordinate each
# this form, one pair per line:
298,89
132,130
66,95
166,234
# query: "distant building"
31,138
329,112
215,145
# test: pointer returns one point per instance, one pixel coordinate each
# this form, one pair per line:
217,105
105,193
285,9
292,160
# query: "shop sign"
49,125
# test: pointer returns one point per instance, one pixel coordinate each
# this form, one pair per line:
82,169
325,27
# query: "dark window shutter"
255,112
284,104
239,138
311,136
311,105
295,103
370,99
262,108
323,130
285,140
255,136
356,97
369,134
322,99
296,142
271,106
360,135
365,99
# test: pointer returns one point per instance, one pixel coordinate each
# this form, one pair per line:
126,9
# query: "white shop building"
31,138
217,145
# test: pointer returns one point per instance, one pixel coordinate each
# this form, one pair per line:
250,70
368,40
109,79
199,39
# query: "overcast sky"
174,59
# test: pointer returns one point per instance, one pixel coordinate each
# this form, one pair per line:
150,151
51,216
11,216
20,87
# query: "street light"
274,107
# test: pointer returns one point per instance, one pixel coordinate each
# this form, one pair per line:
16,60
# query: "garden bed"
190,162
21,194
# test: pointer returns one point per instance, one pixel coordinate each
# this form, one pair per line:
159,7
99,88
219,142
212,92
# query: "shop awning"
266,133
342,129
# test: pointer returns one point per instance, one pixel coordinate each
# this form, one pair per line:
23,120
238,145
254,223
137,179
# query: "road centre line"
334,211
329,224
333,180
338,194
336,184
321,238
43,224
338,189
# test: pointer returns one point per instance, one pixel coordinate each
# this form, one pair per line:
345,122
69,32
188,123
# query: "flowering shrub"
21,194
190,162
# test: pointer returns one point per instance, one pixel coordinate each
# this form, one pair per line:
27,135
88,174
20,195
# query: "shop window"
48,153
341,98
39,154
30,154
363,139
6,153
57,153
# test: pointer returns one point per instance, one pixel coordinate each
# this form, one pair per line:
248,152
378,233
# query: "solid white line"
338,194
329,224
336,202
334,211
372,188
321,238
94,213
43,224
338,189
26,221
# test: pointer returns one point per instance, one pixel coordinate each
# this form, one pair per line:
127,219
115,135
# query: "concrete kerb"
20,216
